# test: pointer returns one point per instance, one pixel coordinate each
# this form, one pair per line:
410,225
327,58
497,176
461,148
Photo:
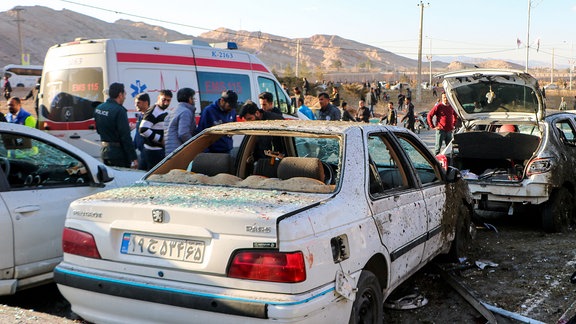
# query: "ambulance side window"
280,99
212,84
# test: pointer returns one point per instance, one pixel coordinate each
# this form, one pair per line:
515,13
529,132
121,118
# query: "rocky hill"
43,27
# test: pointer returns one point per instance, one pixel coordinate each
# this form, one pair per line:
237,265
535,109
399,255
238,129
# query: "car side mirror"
453,174
102,175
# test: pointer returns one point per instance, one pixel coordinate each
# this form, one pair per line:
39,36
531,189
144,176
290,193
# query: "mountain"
44,27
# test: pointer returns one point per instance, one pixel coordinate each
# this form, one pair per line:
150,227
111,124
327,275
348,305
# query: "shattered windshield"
487,97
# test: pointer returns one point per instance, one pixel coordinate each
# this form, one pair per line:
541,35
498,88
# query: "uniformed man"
117,148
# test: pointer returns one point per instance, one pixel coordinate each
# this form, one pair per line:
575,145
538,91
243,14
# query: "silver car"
512,155
39,176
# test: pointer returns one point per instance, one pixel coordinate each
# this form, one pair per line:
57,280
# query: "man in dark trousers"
117,148
409,108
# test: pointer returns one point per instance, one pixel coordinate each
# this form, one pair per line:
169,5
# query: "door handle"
27,209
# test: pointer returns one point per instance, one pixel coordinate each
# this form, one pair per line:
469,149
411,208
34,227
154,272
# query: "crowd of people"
159,131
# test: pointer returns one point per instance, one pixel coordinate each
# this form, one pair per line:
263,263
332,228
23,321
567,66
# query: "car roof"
311,126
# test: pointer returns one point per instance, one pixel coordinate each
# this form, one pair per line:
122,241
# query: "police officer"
117,148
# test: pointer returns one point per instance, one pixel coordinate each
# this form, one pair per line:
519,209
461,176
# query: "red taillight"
443,161
268,266
79,243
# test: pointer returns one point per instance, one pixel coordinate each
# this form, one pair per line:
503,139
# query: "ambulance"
77,74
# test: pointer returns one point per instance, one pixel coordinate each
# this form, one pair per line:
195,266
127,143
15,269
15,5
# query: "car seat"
308,167
212,164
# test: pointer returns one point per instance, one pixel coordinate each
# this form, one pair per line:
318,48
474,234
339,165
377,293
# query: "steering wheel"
5,165
328,173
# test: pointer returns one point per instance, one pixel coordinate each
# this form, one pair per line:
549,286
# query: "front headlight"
540,165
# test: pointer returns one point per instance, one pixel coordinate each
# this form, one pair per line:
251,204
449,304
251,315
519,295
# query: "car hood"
222,210
494,95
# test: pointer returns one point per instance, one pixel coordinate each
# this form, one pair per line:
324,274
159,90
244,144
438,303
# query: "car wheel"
368,305
558,211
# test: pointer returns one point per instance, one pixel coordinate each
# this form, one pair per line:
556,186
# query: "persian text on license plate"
162,247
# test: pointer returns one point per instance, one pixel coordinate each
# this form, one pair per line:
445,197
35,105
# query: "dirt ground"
530,278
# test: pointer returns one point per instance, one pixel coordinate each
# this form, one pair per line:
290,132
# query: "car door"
397,205
41,181
428,175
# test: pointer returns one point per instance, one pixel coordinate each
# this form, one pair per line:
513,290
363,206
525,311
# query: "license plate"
163,247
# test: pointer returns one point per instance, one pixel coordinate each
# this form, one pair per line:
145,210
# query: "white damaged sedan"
307,222
39,176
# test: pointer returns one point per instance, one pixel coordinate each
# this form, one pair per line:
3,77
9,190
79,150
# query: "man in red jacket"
445,120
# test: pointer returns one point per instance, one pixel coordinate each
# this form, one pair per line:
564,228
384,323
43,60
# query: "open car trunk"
490,156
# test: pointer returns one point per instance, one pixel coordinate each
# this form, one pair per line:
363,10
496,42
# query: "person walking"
446,119
17,115
305,87
409,117
111,118
371,101
563,104
180,125
327,110
142,103
219,112
6,87
152,129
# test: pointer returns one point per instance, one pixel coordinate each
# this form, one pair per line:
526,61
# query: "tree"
288,71
337,64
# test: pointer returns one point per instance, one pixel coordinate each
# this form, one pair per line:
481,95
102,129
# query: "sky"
487,29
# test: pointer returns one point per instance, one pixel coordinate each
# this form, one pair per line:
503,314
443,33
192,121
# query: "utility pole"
297,58
429,57
418,85
528,38
18,20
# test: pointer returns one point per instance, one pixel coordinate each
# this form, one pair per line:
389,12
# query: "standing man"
363,114
371,101
335,97
409,108
267,103
6,87
305,87
219,112
17,115
180,125
327,110
152,129
445,120
111,120
142,103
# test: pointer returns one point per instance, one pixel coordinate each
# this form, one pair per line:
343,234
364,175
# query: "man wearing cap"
219,112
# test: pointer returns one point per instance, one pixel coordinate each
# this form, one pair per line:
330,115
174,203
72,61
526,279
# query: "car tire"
369,303
558,211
